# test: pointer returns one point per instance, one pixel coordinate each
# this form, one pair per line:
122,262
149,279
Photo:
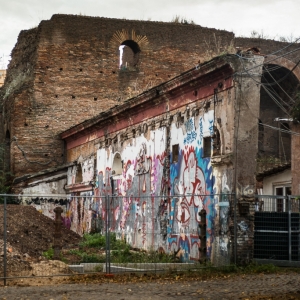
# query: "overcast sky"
272,17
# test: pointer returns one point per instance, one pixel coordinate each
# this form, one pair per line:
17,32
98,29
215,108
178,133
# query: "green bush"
49,253
92,258
93,240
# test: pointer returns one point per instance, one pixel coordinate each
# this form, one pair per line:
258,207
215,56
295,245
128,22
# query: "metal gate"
277,230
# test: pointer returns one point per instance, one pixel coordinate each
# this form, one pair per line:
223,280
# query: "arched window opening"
129,55
78,176
117,165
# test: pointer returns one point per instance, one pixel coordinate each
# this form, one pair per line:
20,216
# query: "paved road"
283,286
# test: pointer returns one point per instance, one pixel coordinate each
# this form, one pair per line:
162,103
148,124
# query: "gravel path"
272,286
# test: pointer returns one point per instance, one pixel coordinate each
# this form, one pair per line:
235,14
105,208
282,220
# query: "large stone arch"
279,81
295,140
283,62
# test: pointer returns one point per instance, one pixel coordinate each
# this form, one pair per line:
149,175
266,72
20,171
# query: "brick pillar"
244,240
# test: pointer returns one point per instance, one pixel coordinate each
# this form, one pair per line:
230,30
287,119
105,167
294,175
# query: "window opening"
117,165
78,176
207,146
282,203
175,152
129,55
216,142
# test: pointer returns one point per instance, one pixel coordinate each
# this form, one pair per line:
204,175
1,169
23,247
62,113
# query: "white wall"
276,179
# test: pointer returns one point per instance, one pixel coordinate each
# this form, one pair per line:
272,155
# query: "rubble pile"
16,263
29,234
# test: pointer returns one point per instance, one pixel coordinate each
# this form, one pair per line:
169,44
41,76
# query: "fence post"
235,228
4,243
107,236
57,232
289,228
202,236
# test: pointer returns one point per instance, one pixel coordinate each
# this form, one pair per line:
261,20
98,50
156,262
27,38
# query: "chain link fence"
49,235
277,230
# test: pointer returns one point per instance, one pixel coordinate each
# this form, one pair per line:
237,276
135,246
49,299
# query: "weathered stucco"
166,175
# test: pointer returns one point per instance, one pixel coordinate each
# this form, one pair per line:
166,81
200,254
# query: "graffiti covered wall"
136,190
192,183
155,202
157,183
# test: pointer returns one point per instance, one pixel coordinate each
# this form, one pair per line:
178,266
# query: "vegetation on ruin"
92,250
182,20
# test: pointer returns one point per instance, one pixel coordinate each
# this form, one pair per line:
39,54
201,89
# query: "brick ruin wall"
67,70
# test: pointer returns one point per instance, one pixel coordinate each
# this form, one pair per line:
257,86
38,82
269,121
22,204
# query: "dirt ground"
244,287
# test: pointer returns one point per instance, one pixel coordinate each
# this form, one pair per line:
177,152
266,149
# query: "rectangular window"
175,152
207,146
282,203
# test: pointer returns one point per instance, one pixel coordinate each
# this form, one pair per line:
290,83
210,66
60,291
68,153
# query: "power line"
286,46
265,88
280,129
273,59
275,81
269,126
276,101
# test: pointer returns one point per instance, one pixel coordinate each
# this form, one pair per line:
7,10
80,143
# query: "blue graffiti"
190,137
211,126
191,133
189,125
201,131
178,186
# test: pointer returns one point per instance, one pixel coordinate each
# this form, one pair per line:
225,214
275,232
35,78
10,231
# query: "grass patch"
92,249
95,240
49,253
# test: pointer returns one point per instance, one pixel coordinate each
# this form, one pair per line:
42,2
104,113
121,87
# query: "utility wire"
275,81
265,88
292,43
274,94
270,126
273,59
286,75
280,129
276,101
273,97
